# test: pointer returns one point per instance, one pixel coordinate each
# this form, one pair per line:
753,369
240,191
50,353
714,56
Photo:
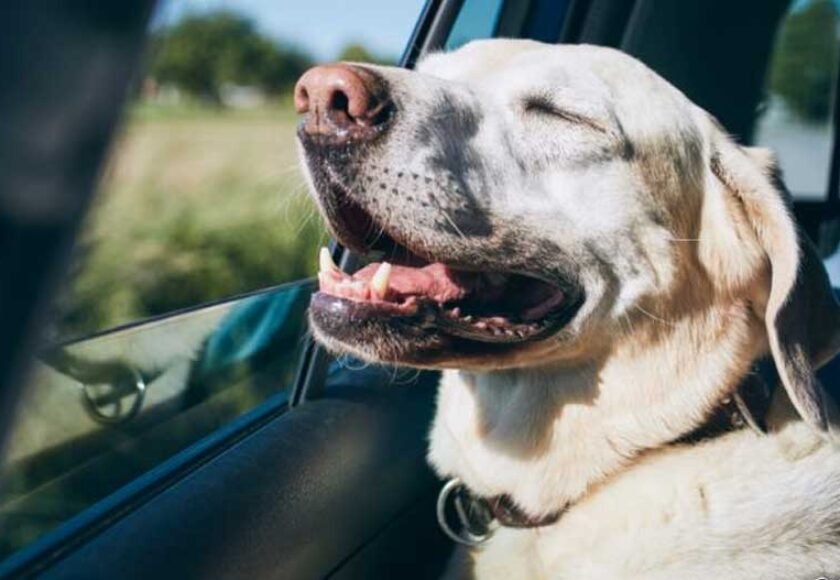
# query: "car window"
202,198
796,115
185,307
474,20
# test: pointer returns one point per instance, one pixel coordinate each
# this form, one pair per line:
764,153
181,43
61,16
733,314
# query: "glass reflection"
104,410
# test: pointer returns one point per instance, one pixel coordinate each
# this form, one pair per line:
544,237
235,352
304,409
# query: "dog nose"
342,101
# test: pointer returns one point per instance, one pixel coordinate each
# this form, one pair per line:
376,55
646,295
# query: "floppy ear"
802,316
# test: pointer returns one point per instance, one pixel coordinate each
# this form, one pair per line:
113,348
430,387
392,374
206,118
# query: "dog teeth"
379,282
325,261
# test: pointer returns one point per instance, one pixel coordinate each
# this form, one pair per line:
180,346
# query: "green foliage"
202,52
200,202
355,52
806,58
197,204
180,262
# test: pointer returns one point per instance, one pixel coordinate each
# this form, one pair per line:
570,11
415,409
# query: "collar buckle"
474,516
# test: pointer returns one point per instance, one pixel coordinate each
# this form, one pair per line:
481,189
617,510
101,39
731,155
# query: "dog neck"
547,436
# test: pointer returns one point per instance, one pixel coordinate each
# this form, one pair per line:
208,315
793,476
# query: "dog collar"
746,407
478,517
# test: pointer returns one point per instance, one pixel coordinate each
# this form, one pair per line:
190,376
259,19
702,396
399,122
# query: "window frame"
827,232
820,218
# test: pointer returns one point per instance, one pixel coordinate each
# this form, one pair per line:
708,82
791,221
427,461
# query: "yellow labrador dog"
597,266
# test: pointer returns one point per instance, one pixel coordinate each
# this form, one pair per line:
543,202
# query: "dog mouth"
450,299
479,306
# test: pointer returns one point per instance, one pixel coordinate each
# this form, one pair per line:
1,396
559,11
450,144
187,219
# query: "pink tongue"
434,281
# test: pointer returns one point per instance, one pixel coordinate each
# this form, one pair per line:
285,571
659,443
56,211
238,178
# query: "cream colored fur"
596,434
693,269
742,506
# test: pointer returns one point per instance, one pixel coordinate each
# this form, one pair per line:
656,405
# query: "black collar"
746,407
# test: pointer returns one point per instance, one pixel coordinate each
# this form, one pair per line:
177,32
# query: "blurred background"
200,209
202,198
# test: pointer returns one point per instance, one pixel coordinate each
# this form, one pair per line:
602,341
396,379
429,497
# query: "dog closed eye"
544,106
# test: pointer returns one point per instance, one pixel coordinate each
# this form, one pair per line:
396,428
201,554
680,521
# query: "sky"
324,27
321,27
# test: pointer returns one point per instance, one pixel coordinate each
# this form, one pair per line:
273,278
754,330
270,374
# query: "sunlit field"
197,203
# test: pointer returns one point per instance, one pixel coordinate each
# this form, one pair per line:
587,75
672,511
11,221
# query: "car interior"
326,478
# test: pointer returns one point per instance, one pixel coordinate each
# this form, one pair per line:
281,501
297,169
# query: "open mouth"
439,297
494,307
482,306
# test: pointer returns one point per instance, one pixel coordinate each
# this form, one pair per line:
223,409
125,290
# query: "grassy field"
196,204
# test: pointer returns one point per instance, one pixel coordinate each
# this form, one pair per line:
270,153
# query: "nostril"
340,102
301,99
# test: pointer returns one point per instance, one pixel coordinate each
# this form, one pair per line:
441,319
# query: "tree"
806,58
356,52
202,52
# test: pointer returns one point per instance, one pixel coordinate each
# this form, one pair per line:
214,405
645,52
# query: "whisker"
653,316
280,171
627,323
344,361
410,376
454,225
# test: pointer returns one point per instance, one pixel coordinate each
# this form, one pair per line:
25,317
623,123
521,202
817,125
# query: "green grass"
196,204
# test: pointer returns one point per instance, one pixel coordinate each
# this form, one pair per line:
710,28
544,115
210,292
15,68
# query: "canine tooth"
379,282
325,261
456,312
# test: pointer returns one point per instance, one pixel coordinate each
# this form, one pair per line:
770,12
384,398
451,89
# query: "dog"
597,267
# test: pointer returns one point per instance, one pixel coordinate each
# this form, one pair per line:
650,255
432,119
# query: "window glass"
796,116
101,411
201,200
475,20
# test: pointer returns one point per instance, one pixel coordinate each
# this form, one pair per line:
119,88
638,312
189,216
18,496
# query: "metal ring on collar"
465,536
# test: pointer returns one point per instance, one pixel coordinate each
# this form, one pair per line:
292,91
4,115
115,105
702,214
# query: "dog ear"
802,316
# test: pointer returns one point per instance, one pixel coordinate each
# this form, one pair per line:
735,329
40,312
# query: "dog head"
532,204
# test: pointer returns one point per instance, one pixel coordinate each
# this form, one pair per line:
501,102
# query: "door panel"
331,478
